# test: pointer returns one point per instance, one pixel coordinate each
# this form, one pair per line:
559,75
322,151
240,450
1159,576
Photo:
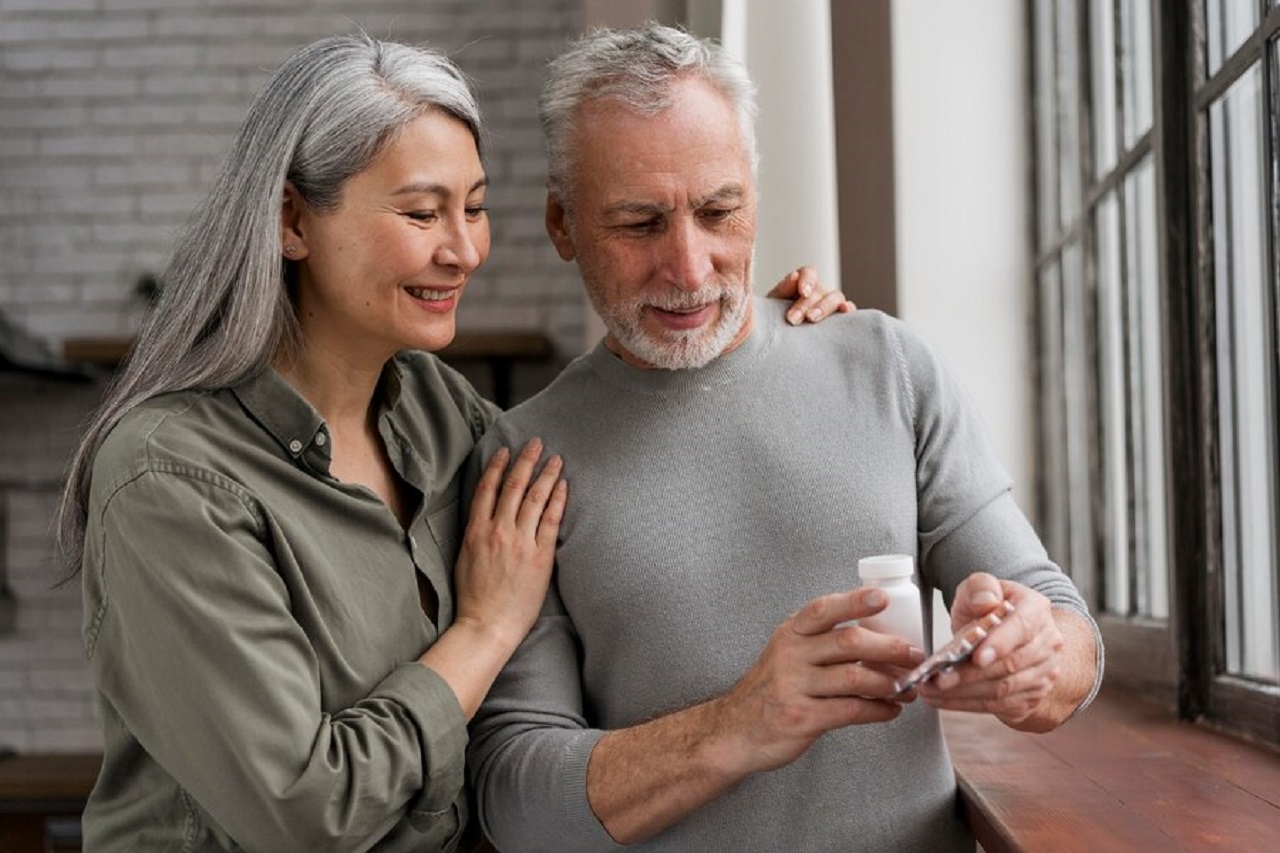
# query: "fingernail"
805,288
815,314
793,317
986,598
984,656
916,655
946,680
874,598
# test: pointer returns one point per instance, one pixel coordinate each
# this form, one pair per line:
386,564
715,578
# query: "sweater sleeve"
191,638
968,518
530,740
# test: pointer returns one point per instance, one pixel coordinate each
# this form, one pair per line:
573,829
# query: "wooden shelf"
500,349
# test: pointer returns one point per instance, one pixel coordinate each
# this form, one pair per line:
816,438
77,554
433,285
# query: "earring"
289,250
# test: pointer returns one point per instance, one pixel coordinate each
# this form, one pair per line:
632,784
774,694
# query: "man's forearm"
642,779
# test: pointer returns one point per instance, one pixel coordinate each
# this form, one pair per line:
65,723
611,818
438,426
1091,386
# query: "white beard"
680,349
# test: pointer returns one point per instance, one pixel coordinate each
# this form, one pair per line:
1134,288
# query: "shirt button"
295,446
319,439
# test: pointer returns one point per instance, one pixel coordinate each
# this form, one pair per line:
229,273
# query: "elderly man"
689,685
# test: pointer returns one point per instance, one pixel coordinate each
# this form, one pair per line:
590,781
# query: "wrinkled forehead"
697,135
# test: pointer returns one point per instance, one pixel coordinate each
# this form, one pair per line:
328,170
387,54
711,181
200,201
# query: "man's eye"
717,214
645,226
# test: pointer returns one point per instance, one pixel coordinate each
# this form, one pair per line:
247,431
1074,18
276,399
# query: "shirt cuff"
1099,654
582,823
442,733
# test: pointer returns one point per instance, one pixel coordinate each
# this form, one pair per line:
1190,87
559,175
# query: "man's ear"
558,228
293,241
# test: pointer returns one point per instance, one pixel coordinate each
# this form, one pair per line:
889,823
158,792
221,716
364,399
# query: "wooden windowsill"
1125,775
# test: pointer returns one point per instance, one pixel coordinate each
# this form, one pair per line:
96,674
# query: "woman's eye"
422,215
476,211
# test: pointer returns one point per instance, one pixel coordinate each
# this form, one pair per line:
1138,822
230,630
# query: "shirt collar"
292,421
281,410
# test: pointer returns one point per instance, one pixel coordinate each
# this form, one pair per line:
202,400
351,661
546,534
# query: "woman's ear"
557,219
292,242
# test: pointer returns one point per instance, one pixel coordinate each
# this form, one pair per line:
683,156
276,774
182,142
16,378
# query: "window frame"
1179,661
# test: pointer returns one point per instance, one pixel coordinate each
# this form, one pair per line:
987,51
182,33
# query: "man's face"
663,227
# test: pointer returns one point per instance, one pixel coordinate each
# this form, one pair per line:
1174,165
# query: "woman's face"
386,269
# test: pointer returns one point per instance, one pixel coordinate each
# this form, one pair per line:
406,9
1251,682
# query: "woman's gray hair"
638,67
225,308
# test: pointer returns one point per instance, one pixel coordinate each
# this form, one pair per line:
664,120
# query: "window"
1156,188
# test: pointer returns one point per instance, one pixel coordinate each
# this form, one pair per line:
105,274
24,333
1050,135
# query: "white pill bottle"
903,615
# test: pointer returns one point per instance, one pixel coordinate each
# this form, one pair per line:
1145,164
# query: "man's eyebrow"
428,187
728,192
637,208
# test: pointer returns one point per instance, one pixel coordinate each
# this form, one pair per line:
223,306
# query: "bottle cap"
886,566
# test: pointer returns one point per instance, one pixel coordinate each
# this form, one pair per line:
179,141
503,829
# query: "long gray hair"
638,67
224,309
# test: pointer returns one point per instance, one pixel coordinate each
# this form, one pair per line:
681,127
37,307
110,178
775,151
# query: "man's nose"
686,261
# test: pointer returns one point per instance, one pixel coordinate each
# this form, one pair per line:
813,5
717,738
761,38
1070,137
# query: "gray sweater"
707,505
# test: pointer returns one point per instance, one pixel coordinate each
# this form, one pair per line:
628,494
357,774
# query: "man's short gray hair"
638,67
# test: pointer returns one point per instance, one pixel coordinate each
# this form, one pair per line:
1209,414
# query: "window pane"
1053,447
1078,373
1146,394
1227,24
1046,122
1102,69
1136,68
1245,376
1112,396
1068,111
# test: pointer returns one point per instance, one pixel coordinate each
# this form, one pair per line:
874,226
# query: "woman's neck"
341,389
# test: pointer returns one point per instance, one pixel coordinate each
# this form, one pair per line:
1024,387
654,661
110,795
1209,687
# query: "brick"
96,204
48,58
167,82
89,145
135,175
95,86
103,27
45,6
153,5
52,116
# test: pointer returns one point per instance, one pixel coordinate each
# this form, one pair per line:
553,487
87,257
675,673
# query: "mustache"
685,300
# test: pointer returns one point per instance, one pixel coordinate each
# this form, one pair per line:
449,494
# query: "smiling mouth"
427,294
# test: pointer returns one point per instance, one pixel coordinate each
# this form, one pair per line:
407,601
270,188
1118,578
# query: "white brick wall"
113,115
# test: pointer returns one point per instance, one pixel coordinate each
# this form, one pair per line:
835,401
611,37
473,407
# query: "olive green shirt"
254,624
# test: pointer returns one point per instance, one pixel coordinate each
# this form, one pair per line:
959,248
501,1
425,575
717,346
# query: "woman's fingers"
486,495
517,480
538,494
549,521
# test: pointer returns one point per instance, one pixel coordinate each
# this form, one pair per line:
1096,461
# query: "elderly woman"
288,627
